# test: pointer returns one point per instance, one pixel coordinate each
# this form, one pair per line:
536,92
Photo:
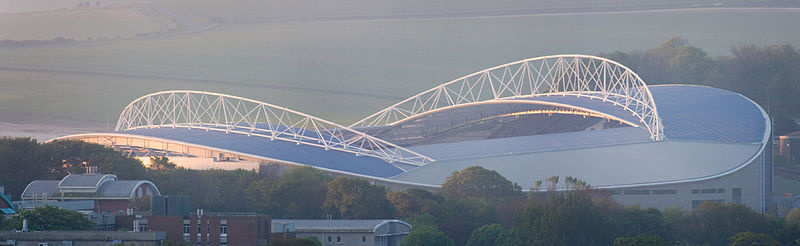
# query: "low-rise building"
346,232
90,192
214,229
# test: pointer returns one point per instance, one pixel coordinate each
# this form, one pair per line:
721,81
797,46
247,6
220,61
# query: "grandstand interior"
491,121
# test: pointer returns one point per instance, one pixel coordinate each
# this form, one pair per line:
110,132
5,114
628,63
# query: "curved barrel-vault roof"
230,114
563,75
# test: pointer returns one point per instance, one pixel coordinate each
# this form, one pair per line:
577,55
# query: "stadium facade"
566,115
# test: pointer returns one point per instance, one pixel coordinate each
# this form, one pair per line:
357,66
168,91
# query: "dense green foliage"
749,238
299,193
478,182
641,240
49,218
357,199
24,160
212,190
485,235
574,218
426,236
769,75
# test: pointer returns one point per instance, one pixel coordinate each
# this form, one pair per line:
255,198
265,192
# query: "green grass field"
343,71
83,24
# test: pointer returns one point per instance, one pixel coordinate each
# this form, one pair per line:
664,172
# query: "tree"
634,220
717,222
793,217
641,240
481,183
552,182
72,156
485,235
677,225
14,154
537,185
415,201
567,219
161,163
299,193
215,188
508,238
350,198
749,238
426,236
49,218
464,215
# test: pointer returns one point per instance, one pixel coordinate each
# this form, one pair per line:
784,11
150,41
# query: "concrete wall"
241,230
748,179
347,238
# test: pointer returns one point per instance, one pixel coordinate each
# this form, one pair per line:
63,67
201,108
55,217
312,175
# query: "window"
185,229
363,239
636,192
696,191
223,230
665,192
329,239
338,239
721,190
737,195
709,191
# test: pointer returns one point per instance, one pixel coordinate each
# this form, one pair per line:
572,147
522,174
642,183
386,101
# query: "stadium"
565,115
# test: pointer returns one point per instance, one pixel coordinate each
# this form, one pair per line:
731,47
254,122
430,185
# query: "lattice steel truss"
564,75
231,114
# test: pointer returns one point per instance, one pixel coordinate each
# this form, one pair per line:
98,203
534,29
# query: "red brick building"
214,229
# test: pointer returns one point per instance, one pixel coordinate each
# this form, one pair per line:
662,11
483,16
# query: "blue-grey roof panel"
277,149
708,114
122,188
532,144
38,187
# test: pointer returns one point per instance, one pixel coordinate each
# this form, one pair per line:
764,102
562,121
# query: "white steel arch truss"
563,75
231,114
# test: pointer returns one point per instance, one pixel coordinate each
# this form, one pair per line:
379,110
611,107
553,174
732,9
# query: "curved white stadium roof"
568,115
